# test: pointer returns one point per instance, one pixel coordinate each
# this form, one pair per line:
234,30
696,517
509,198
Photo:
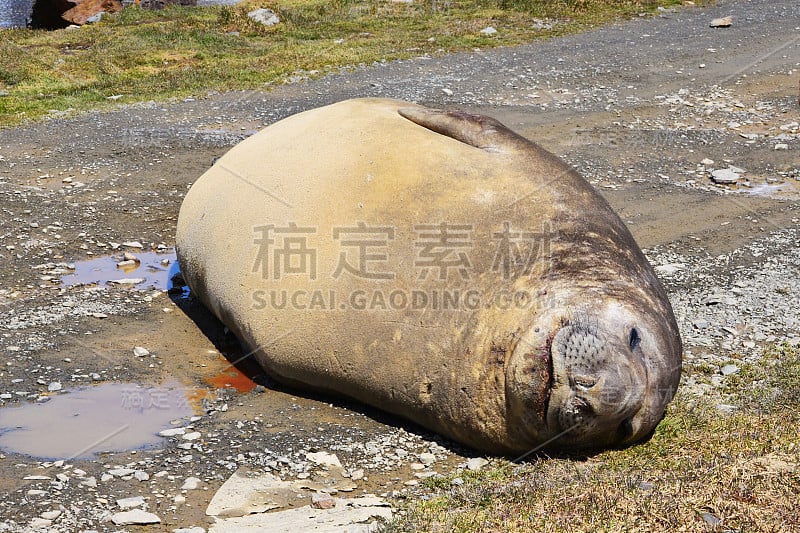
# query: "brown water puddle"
232,378
149,269
83,422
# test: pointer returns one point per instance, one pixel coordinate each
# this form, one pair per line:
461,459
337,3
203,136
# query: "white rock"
121,472
194,435
39,523
247,492
172,432
722,22
195,529
130,503
133,244
51,515
476,463
781,146
141,475
488,30
127,281
670,268
349,515
324,458
427,458
55,386
707,162
191,483
725,176
264,16
134,517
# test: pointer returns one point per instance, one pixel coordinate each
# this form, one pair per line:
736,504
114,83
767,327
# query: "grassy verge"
702,471
139,55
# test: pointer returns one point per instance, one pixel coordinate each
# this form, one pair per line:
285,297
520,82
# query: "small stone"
725,176
51,515
130,257
324,459
55,386
781,146
133,244
264,16
427,458
121,472
723,22
172,432
191,483
707,162
134,517
141,475
476,463
488,30
130,503
710,519
727,370
141,352
355,475
180,499
456,481
39,523
195,529
194,435
670,268
127,281
322,500
448,92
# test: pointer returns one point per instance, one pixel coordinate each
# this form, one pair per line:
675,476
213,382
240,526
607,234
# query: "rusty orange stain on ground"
232,377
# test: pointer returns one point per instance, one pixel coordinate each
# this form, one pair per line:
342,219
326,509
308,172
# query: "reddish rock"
55,14
322,500
85,9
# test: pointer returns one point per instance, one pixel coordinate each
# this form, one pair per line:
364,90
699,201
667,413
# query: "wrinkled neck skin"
606,342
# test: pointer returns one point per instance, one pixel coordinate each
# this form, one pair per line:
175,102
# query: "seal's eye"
634,339
625,429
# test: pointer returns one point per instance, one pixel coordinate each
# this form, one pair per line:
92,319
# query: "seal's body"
437,266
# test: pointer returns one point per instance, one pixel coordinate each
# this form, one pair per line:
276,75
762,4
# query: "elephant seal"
440,267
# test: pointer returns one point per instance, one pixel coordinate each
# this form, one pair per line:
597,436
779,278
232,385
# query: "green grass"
741,469
144,55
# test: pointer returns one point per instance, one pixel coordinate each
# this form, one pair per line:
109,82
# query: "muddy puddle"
779,191
141,270
81,423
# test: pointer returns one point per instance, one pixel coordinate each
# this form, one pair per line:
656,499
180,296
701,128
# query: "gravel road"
647,110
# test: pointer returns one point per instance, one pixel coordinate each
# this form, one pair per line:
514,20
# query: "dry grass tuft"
702,471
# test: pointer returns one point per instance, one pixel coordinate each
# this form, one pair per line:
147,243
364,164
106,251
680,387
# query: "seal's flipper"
479,131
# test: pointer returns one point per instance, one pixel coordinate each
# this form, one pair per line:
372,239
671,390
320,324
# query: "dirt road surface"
641,108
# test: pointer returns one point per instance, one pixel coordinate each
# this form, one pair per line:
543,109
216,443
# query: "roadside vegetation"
707,468
141,55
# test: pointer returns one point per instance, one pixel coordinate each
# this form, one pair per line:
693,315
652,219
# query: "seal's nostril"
634,339
625,429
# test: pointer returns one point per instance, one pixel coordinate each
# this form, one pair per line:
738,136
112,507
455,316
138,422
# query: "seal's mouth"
548,377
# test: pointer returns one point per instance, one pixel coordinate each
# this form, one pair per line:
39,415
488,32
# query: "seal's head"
596,377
